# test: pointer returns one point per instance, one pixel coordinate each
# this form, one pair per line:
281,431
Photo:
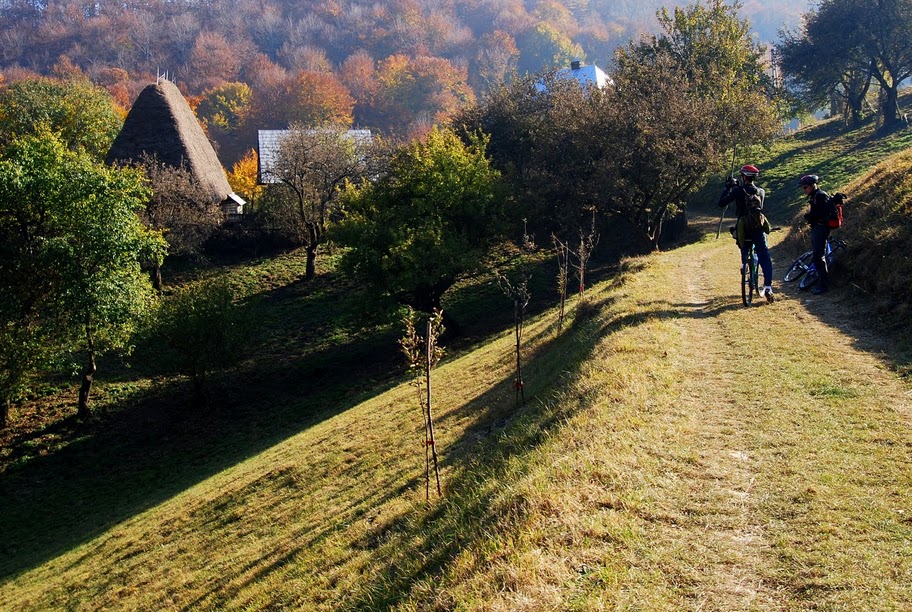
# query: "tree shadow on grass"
416,547
151,445
140,454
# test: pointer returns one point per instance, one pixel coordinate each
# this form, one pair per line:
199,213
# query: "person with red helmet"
817,216
747,195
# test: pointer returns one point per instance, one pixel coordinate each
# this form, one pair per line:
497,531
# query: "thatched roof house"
161,123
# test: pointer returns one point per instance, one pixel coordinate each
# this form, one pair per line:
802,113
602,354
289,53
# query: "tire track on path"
722,500
822,441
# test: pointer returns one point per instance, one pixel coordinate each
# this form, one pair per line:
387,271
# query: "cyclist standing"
746,196
817,216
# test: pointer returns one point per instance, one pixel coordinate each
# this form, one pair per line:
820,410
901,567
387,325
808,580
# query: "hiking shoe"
819,289
768,294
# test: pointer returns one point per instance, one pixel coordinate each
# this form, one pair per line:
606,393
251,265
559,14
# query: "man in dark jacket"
747,196
818,216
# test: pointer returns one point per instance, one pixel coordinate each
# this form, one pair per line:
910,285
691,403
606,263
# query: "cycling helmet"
808,179
748,170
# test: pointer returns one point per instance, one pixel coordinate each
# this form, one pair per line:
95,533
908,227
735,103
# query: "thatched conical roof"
161,123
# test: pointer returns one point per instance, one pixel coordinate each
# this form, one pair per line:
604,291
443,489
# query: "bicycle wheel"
809,279
835,247
798,268
747,292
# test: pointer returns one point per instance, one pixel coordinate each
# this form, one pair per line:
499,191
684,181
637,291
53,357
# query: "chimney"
575,65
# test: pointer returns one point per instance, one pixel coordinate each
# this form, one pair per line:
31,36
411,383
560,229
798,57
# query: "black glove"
731,182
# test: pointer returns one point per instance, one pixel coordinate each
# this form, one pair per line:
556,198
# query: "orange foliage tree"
415,92
316,98
496,59
243,179
309,98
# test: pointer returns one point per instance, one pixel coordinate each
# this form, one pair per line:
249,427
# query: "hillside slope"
683,453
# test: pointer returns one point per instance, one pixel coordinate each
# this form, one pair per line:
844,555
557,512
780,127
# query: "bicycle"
803,267
750,274
749,277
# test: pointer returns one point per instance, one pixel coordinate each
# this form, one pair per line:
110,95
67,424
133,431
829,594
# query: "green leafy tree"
713,51
857,39
822,60
72,246
85,116
204,331
433,217
638,148
881,30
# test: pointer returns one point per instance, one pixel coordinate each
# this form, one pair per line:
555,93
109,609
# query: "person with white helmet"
748,196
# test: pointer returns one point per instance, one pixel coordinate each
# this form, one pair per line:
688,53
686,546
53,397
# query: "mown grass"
314,353
638,476
348,465
836,153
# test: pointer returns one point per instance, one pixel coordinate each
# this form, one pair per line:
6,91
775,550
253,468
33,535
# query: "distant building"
270,141
161,123
588,76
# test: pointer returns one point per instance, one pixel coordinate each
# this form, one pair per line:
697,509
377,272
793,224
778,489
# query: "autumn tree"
545,47
309,98
179,208
358,74
214,60
429,220
317,99
72,244
222,111
417,91
495,60
84,115
243,179
312,166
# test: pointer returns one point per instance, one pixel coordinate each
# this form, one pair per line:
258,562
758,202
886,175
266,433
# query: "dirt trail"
728,469
787,416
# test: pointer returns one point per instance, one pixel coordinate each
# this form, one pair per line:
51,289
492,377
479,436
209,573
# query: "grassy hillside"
666,461
667,458
879,230
868,165
871,168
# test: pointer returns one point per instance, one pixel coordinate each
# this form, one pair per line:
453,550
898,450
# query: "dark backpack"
754,218
834,220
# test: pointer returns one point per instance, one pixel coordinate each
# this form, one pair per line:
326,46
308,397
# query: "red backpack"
835,203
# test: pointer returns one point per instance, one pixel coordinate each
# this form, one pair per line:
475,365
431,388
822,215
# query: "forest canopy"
397,67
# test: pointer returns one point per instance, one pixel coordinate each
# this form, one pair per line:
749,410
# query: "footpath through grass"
681,452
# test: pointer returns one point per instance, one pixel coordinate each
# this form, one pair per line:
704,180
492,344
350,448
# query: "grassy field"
677,451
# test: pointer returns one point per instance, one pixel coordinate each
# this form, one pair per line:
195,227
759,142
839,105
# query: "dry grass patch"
682,452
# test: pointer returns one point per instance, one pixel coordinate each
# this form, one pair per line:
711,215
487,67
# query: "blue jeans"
758,237
819,235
